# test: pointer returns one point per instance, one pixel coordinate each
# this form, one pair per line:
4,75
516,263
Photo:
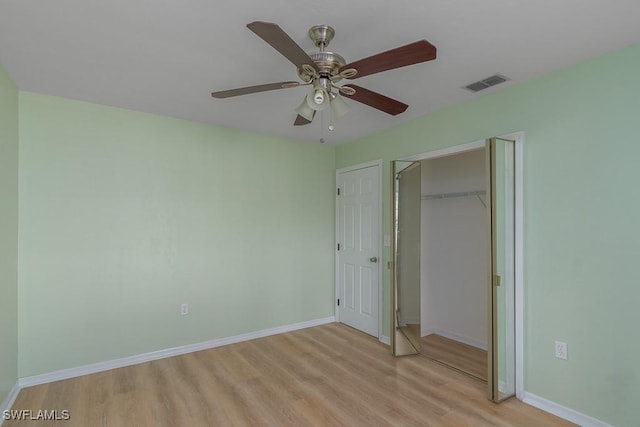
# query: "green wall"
581,221
125,215
8,234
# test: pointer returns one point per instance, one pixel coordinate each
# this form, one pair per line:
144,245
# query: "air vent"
496,79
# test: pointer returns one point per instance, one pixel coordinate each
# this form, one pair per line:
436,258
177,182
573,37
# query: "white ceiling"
166,56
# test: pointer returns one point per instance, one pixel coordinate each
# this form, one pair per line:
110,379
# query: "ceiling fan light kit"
322,69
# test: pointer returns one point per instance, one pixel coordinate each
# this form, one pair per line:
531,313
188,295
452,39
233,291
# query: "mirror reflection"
406,224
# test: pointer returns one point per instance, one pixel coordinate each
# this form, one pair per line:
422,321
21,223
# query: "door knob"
373,259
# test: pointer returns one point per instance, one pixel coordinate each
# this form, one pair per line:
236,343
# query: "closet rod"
451,195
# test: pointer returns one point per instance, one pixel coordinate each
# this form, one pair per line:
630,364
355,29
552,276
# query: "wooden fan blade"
301,121
280,41
253,89
377,101
413,53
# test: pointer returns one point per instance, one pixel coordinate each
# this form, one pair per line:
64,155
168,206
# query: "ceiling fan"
322,69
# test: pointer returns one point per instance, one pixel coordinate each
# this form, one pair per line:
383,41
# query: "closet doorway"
467,277
453,262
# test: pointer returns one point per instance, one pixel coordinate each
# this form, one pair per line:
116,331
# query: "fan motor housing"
328,63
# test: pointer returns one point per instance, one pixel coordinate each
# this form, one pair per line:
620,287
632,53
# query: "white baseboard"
385,339
457,337
8,401
64,374
562,411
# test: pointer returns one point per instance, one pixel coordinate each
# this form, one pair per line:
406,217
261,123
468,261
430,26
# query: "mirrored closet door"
405,338
453,248
501,183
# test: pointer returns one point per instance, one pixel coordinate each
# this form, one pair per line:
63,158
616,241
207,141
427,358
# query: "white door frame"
518,137
379,163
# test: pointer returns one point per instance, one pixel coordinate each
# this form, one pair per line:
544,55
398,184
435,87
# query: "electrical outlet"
561,350
184,308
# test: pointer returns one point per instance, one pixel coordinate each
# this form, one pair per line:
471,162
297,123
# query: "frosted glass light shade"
304,110
338,106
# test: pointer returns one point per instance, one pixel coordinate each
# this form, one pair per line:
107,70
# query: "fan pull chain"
330,127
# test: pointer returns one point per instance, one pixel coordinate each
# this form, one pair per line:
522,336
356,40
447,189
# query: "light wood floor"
461,356
323,376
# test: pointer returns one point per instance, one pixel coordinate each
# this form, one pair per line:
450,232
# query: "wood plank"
330,375
458,355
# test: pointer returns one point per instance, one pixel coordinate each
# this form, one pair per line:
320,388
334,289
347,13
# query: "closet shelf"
452,195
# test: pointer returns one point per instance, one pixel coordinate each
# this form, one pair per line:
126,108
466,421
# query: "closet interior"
454,300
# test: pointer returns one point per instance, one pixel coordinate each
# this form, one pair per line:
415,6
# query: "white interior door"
358,216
